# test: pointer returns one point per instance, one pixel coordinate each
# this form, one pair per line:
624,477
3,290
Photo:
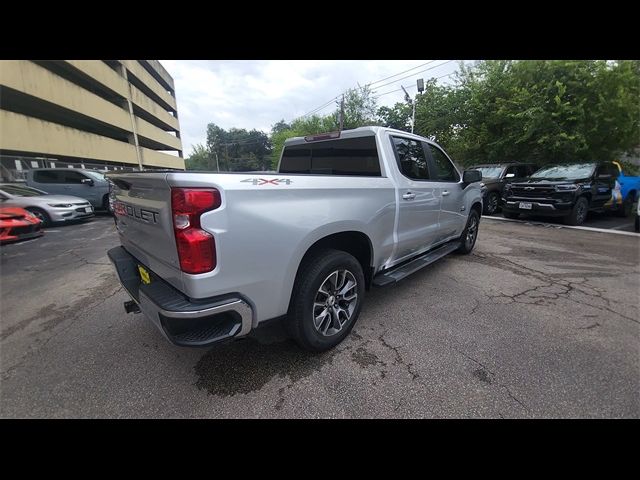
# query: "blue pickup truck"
629,190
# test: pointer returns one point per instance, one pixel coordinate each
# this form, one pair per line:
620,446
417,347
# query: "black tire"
470,233
627,206
41,214
313,274
492,204
578,213
511,215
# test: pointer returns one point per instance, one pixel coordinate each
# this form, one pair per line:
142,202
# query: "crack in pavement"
483,375
398,356
551,289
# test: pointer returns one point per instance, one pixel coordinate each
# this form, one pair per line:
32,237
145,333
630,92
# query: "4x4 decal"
266,181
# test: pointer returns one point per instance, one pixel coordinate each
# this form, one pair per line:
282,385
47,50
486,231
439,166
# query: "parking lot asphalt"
536,322
603,220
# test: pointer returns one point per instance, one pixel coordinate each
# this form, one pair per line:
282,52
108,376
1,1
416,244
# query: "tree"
280,126
398,116
359,108
546,111
199,159
215,139
238,149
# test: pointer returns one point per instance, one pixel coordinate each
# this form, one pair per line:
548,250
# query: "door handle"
409,196
445,193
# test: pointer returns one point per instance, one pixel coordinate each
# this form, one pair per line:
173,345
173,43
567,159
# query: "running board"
395,274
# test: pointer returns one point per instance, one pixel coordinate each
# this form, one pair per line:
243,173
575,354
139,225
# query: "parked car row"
568,191
49,196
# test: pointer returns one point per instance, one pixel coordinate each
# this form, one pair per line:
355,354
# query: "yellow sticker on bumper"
144,275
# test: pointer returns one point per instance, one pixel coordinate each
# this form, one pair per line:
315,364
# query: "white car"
48,208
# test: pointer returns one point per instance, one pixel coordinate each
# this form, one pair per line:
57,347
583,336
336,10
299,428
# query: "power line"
416,73
413,86
325,105
391,76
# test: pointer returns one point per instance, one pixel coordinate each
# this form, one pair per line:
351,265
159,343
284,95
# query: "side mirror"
88,181
471,176
510,175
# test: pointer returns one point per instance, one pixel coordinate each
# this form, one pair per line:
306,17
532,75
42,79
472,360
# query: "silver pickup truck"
210,256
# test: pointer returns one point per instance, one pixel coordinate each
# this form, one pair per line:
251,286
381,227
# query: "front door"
452,209
418,200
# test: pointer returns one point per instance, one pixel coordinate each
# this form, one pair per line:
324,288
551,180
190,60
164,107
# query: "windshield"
94,175
489,172
566,172
21,191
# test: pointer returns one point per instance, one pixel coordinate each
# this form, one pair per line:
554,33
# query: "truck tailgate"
142,205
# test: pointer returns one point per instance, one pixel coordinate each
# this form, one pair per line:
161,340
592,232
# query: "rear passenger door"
605,180
453,216
51,181
418,199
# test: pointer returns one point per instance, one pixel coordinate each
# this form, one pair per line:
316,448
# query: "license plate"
88,209
144,275
525,205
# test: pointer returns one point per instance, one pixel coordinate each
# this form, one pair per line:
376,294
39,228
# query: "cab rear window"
347,156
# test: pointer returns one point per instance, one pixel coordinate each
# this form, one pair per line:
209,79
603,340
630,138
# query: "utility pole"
420,85
413,105
341,112
215,150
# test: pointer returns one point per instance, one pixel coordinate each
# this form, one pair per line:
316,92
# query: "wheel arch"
354,242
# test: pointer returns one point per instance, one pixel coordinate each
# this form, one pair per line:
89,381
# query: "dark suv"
569,191
495,176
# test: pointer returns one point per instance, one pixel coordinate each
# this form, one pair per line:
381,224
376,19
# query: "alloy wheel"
335,302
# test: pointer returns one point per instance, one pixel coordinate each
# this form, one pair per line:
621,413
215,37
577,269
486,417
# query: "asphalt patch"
245,366
482,375
365,358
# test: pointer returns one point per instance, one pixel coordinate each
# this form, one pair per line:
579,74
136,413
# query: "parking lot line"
590,229
626,225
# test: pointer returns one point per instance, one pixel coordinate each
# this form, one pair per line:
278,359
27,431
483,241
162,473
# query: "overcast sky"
258,93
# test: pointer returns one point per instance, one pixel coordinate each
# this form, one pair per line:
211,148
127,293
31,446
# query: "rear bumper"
183,321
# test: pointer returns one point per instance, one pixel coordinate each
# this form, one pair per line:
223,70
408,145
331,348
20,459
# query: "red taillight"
196,247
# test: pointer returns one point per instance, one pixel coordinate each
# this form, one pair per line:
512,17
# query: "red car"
18,224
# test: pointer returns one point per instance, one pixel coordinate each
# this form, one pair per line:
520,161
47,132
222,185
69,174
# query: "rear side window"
608,169
48,176
412,160
445,169
348,156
